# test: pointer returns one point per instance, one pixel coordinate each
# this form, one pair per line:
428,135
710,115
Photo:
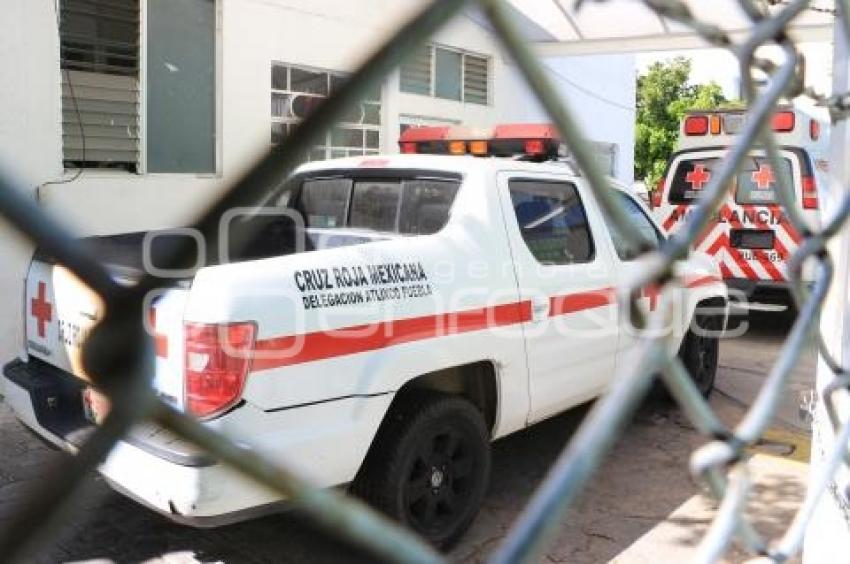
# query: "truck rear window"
757,180
416,206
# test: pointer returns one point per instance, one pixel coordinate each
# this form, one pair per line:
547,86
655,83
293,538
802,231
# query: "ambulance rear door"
750,236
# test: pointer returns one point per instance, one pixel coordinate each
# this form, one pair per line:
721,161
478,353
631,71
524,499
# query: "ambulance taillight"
810,193
814,129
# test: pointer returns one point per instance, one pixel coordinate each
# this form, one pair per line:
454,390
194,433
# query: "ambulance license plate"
752,238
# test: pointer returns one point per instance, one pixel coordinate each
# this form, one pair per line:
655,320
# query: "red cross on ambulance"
763,177
698,177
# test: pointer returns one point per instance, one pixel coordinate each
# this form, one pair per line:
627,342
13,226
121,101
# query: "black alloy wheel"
429,467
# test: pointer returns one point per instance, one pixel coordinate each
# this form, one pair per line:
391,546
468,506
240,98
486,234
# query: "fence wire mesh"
116,353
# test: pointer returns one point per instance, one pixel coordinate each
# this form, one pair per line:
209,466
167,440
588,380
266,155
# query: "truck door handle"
539,308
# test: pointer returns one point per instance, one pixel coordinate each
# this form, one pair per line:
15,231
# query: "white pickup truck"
397,316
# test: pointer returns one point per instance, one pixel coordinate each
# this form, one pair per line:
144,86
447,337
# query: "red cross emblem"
41,309
763,177
698,177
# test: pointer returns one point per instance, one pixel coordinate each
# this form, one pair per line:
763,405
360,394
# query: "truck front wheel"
429,467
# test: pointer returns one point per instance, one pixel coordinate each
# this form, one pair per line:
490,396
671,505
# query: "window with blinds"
447,73
99,58
476,72
416,72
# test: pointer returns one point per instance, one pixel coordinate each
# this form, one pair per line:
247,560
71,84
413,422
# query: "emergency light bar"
731,123
533,141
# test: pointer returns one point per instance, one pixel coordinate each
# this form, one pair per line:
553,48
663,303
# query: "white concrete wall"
327,34
600,90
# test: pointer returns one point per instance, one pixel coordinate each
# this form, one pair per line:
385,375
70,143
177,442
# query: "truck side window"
650,236
552,221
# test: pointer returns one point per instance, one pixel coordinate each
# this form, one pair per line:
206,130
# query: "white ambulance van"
750,237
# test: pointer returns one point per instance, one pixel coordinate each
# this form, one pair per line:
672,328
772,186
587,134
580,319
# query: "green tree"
663,96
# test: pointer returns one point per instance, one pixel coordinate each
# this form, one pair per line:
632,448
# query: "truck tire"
429,467
700,351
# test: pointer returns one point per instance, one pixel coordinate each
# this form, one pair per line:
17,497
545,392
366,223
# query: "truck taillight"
655,197
217,360
810,193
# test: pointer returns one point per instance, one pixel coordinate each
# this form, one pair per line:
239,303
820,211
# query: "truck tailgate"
60,311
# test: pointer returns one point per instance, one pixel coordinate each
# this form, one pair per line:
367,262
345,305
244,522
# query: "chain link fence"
117,351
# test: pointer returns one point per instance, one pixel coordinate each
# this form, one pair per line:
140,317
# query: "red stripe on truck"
318,345
277,352
571,303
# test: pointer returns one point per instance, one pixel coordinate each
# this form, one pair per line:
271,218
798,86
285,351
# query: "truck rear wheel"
700,351
429,467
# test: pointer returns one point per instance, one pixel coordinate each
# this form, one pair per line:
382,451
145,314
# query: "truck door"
625,261
571,338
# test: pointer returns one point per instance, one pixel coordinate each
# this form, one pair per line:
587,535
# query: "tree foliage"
663,96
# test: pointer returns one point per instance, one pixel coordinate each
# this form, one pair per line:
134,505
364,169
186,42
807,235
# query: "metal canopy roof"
621,26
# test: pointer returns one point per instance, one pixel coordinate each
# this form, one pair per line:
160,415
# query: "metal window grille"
297,91
115,349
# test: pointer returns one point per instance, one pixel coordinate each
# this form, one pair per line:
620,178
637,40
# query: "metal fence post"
828,533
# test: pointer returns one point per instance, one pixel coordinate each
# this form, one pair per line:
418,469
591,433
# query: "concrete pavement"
641,506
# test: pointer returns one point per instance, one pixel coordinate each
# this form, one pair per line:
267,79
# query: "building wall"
30,137
252,34
600,91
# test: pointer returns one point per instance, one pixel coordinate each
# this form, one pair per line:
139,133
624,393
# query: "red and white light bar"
537,141
731,123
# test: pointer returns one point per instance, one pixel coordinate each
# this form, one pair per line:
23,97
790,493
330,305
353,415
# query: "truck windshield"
416,206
